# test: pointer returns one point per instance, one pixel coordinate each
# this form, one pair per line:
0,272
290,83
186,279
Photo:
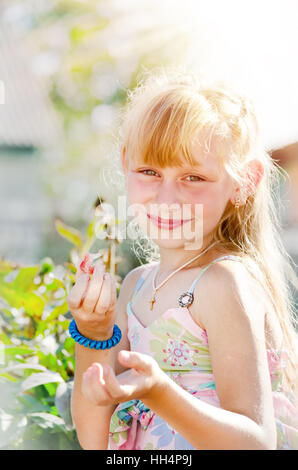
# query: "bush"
37,355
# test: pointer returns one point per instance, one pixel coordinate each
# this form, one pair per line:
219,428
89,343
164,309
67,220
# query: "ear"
123,158
254,174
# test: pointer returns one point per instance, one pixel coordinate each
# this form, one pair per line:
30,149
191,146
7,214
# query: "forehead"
206,153
204,157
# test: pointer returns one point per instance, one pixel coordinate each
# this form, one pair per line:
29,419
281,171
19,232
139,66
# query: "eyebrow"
188,167
212,172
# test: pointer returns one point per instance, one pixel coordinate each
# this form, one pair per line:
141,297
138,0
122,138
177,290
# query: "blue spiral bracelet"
92,344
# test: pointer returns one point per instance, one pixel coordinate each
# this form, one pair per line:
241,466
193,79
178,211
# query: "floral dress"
180,347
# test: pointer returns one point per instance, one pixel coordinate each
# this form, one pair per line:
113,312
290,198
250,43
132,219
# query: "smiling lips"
169,223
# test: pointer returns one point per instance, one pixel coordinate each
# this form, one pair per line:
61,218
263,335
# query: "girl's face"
190,200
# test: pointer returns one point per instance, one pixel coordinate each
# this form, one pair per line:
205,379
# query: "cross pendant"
152,303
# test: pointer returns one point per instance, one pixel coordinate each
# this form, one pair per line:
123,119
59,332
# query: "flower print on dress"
174,347
204,337
168,436
124,423
178,353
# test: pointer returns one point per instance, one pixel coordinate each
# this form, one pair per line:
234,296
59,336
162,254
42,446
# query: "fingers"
96,370
103,303
93,386
94,288
117,390
76,294
111,382
102,387
113,298
93,294
135,360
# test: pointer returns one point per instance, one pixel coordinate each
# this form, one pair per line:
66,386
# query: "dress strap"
140,282
232,257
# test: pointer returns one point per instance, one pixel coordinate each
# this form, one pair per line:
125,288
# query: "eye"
195,176
142,171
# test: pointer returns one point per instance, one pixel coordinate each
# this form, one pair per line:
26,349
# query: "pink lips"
169,223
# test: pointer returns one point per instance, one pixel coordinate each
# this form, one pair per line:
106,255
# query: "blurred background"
65,69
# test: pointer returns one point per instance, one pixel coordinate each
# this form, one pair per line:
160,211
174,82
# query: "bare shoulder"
228,283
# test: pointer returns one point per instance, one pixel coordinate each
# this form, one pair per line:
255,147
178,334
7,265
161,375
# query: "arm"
92,421
234,320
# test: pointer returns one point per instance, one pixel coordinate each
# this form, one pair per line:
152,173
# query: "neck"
171,259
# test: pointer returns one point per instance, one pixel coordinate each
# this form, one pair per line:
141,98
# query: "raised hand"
143,378
92,300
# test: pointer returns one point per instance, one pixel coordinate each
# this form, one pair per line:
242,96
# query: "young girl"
208,354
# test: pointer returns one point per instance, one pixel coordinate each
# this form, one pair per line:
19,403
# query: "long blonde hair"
163,114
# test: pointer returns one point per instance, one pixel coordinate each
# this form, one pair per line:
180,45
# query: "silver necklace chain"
176,270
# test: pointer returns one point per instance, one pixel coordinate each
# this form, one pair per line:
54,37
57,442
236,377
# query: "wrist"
158,390
91,343
102,335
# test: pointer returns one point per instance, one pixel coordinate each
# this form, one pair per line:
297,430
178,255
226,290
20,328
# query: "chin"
171,243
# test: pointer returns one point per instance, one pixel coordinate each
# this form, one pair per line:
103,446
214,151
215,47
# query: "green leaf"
55,285
8,377
90,229
46,265
30,301
41,378
24,366
69,344
59,310
24,280
48,360
51,389
6,267
5,339
69,233
12,350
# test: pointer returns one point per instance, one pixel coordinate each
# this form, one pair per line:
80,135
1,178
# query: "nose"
166,198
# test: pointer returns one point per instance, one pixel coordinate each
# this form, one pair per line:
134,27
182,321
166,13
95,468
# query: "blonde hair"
164,113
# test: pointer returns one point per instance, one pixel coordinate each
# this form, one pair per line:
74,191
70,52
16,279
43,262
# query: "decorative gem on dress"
185,299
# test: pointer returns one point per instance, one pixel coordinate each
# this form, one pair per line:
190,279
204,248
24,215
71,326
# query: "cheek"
133,189
137,190
213,198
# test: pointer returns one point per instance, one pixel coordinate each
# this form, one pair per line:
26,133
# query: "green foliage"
37,355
